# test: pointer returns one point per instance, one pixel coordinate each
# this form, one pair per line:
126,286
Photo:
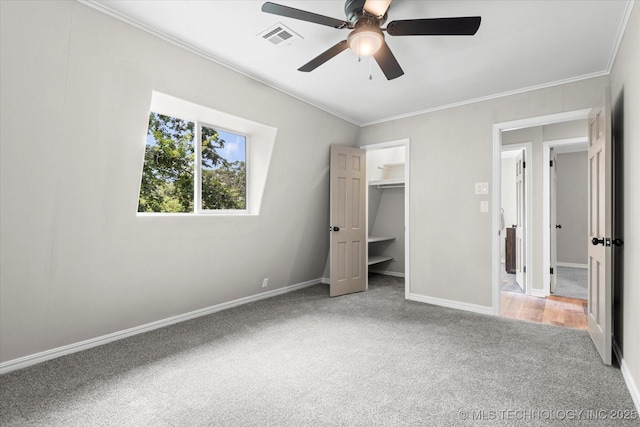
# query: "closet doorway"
387,202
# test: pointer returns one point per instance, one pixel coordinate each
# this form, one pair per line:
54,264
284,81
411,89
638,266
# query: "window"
233,158
191,167
224,170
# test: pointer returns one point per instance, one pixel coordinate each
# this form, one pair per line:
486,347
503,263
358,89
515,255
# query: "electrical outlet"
265,282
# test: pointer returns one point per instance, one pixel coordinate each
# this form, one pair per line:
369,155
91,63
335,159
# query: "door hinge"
550,163
551,270
524,269
524,165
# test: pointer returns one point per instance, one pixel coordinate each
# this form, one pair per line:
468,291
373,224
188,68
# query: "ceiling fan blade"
462,26
387,62
303,15
324,56
376,7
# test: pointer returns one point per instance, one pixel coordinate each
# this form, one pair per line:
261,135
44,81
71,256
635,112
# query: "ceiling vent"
279,35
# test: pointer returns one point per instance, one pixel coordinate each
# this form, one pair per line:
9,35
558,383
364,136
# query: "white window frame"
260,143
197,174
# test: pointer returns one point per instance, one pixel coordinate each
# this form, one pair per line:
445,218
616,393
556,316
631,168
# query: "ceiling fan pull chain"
370,75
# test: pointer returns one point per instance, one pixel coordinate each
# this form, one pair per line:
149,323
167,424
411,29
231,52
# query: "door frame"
553,219
546,214
528,202
498,128
406,143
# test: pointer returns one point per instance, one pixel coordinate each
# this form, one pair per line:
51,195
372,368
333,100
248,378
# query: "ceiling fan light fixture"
365,40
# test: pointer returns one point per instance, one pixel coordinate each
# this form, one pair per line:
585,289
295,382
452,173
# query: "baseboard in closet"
387,273
572,265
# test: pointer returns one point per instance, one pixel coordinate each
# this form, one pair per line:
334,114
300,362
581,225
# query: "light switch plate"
482,188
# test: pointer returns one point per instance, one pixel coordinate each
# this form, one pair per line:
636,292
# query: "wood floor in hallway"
552,310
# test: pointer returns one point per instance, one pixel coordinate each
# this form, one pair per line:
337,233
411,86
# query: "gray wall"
451,149
572,214
77,263
625,97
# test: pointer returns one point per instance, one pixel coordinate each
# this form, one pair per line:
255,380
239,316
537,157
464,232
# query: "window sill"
190,214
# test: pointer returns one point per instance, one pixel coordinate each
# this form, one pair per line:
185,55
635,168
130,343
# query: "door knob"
334,228
617,242
558,226
596,241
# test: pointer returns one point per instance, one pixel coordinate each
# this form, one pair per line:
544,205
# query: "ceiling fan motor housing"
354,11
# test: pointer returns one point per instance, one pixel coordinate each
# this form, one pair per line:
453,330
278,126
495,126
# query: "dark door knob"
596,241
617,242
334,228
558,226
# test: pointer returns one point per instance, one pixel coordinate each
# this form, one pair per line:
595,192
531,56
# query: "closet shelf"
374,239
378,259
382,183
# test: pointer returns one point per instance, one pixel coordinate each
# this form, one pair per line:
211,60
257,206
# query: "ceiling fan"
365,19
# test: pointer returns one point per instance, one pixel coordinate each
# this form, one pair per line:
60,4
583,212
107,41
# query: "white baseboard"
572,265
628,379
36,358
387,273
538,293
452,304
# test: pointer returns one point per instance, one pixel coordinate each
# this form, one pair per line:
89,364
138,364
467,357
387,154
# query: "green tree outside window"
168,173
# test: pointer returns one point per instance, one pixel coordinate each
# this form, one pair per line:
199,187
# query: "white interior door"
599,314
553,229
520,216
348,229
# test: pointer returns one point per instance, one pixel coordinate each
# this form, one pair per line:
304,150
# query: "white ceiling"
521,44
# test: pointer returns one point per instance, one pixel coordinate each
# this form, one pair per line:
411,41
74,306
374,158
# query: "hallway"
558,311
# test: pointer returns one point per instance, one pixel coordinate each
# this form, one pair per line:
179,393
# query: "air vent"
279,35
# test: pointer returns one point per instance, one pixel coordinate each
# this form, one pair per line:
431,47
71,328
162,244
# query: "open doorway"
388,214
565,188
527,137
